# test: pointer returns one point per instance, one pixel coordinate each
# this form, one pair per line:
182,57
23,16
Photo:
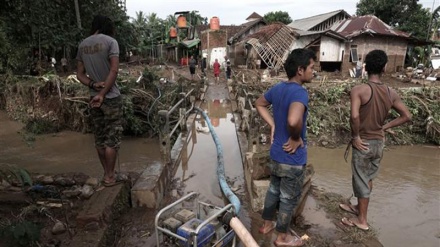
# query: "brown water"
404,206
69,151
405,202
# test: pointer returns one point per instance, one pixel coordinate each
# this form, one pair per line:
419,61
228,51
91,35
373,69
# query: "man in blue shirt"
289,144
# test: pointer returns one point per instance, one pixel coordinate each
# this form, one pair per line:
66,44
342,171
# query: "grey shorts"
365,167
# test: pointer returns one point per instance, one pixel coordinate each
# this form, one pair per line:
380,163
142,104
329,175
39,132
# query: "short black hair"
102,24
375,62
298,58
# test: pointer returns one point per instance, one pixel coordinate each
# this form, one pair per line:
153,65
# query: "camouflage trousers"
107,123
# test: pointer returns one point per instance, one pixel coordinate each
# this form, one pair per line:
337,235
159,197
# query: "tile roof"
245,27
370,24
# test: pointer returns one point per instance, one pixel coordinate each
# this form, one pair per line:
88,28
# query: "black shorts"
192,70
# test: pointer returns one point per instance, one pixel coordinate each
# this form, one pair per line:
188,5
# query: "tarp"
435,63
190,43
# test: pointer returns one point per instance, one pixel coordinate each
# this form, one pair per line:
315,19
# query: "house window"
353,54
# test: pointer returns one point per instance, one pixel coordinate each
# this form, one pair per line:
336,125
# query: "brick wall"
394,47
217,38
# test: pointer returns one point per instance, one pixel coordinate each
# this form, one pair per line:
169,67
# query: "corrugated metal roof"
358,25
330,33
310,22
190,43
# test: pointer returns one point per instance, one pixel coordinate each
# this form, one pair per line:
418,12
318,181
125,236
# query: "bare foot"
267,227
288,240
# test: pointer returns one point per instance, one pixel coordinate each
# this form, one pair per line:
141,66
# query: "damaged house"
315,33
340,40
367,33
269,47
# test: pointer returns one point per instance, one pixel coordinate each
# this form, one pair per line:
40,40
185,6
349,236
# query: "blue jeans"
283,193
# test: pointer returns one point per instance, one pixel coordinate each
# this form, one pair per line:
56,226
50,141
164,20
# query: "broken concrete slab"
95,221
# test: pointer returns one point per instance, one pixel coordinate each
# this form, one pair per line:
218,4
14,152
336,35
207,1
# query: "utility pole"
430,21
78,18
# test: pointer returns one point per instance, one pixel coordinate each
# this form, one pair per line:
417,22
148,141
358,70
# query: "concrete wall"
394,47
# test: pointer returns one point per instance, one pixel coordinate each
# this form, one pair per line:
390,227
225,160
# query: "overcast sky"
236,11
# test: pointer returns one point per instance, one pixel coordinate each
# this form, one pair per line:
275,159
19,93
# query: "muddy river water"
404,206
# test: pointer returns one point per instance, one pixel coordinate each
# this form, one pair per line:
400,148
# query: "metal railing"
167,132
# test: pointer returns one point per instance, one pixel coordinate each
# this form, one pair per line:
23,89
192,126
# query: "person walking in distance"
203,65
98,56
216,70
288,151
64,65
228,69
370,106
192,67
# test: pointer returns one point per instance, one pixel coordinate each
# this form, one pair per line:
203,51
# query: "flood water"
69,151
405,202
404,205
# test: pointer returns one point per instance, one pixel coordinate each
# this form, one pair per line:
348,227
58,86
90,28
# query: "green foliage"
406,15
51,26
12,174
21,233
133,124
40,126
278,16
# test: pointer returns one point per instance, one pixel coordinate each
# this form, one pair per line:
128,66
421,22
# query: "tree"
405,15
278,16
52,26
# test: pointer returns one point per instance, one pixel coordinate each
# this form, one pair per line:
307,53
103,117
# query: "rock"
58,228
86,191
80,178
5,184
64,181
15,189
74,192
324,143
47,180
92,182
38,178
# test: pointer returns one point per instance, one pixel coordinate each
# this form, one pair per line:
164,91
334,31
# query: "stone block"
148,189
259,189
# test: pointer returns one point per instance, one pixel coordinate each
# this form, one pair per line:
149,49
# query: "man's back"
95,52
376,100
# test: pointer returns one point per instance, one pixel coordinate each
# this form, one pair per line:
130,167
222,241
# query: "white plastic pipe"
242,233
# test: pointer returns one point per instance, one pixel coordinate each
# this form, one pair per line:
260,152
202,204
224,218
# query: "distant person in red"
217,70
